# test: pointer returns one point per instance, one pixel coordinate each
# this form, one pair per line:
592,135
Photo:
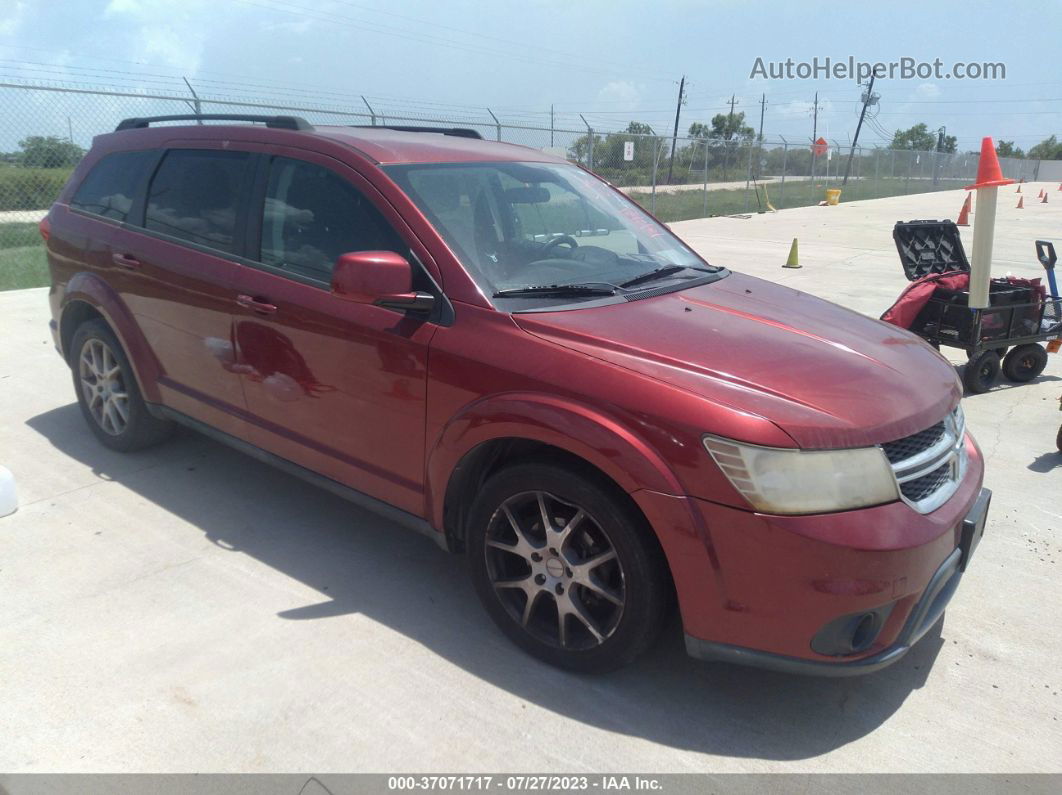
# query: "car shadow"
360,563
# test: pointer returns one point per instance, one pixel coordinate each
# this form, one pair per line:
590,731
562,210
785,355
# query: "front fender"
589,433
90,289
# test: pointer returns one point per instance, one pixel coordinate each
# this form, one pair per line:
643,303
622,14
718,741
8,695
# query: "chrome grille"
920,488
929,465
915,443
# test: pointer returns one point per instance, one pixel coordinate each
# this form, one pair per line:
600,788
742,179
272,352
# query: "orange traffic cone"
1021,202
964,213
1019,188
1044,199
1060,185
1040,195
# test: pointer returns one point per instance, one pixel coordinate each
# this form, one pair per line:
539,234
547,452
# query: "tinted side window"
195,196
110,187
312,215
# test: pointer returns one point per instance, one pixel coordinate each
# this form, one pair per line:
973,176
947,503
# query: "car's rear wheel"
566,567
108,394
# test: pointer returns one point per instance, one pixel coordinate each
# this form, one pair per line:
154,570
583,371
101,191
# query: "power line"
422,38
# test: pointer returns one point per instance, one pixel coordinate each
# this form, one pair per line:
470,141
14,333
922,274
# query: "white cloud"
123,7
13,18
622,94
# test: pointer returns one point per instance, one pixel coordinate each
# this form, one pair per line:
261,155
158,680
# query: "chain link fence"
45,130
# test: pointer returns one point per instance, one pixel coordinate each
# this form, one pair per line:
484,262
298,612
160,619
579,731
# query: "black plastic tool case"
930,247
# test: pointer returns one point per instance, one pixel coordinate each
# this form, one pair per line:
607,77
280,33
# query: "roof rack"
278,122
457,132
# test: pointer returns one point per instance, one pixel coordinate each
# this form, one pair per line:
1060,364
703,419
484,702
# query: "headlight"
783,481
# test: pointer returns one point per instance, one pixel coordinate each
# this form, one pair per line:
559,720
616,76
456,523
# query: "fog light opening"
866,629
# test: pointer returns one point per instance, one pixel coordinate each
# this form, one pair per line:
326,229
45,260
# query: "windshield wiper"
653,275
557,290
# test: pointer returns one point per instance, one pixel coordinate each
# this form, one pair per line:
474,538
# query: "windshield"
518,226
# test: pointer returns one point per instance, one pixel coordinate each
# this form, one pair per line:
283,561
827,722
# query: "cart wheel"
1025,362
981,372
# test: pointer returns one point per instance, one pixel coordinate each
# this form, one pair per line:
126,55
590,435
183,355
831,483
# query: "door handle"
255,305
126,261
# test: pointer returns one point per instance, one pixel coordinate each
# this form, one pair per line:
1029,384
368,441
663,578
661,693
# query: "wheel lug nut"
553,552
540,579
559,589
536,557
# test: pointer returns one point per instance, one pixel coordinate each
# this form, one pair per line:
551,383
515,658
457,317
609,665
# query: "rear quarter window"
110,187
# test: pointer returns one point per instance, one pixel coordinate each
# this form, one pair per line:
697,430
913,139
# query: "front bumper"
926,612
757,589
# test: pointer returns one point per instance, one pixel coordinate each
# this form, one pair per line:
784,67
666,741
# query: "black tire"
1025,362
604,635
131,427
981,372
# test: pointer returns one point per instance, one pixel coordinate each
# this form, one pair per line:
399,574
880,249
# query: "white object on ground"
8,497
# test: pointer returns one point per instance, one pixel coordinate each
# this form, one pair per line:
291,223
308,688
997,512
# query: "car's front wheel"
566,567
108,394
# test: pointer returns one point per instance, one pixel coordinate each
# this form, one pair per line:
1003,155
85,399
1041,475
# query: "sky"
612,62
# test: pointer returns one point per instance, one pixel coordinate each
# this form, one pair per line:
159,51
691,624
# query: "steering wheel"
548,248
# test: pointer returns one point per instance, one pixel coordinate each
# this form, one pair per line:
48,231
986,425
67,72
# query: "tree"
726,127
1047,149
949,143
918,138
699,130
639,128
1008,149
39,151
579,151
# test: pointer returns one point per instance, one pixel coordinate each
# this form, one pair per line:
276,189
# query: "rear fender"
92,290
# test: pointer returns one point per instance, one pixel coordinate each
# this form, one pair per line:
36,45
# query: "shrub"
30,188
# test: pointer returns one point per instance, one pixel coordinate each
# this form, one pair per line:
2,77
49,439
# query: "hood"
827,376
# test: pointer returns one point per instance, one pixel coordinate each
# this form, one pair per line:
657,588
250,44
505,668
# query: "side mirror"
383,278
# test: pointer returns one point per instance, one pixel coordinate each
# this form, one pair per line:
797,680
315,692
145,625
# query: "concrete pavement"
189,609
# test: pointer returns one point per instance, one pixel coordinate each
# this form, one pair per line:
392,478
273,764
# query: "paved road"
189,609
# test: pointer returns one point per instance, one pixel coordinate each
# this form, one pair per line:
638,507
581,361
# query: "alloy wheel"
103,386
555,570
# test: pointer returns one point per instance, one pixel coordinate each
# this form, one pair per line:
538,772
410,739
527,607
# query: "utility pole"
727,133
868,98
763,107
674,136
814,138
551,124
940,148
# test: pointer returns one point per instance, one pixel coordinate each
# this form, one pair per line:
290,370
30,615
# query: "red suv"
497,348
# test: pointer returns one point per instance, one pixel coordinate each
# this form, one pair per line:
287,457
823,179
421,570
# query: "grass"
30,188
22,260
684,205
22,267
